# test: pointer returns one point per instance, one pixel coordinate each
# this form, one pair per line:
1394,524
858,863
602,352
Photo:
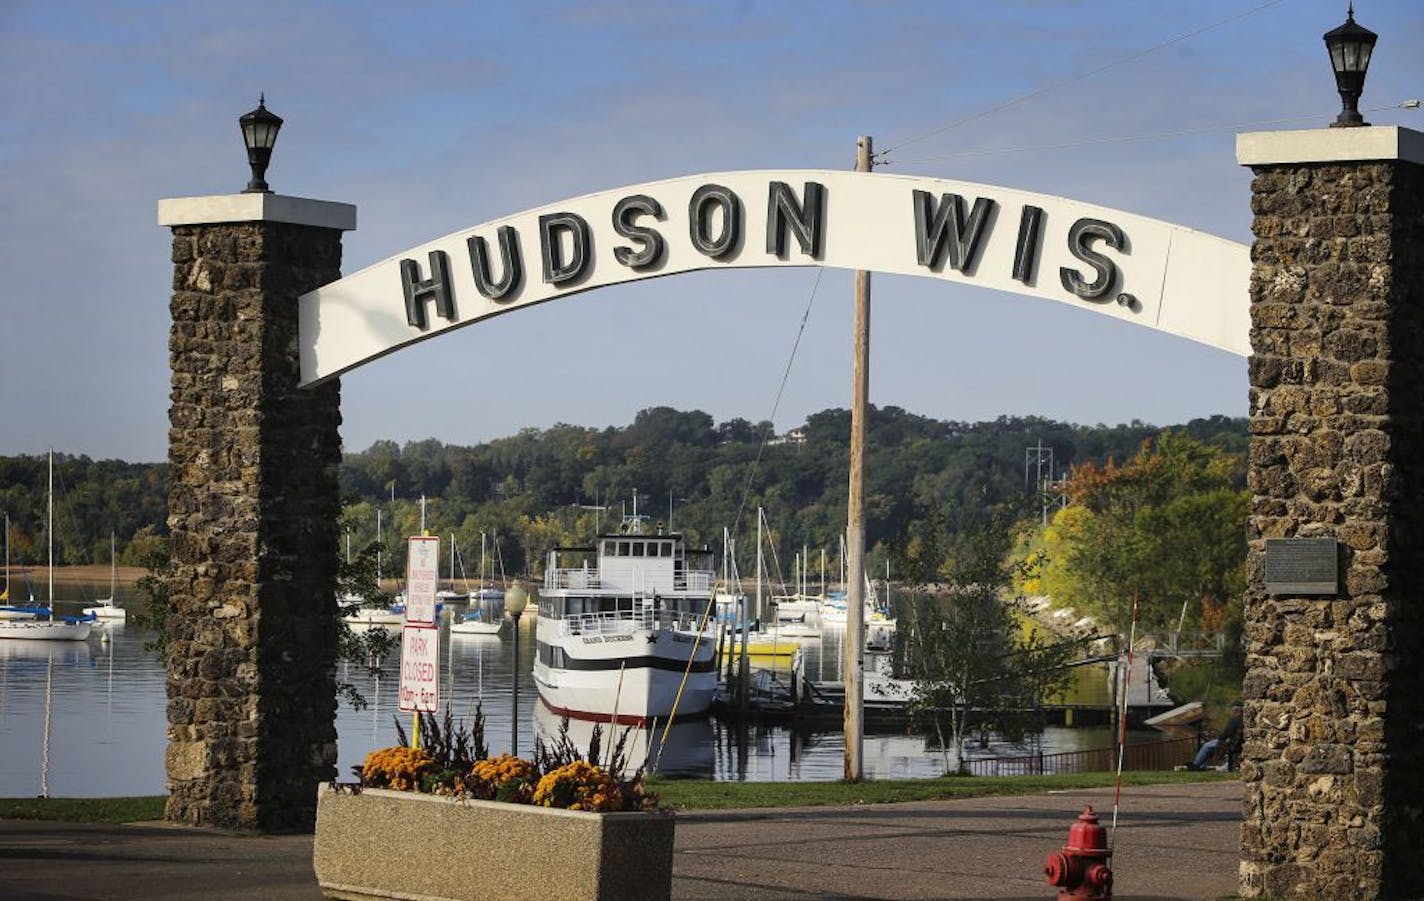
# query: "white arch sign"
1153,273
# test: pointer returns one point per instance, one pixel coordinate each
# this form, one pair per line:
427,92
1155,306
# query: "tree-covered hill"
542,487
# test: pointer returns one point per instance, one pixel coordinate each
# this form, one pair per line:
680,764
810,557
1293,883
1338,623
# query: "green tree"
962,644
1167,527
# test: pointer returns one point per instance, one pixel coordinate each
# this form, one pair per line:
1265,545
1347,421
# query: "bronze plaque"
1302,566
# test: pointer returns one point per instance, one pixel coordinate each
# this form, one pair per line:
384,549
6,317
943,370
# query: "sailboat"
369,613
43,626
8,610
450,595
105,608
481,619
759,642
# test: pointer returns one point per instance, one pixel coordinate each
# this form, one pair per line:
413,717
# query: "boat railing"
587,577
696,580
619,622
583,577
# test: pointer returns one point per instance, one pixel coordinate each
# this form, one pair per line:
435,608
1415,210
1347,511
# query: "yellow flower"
396,768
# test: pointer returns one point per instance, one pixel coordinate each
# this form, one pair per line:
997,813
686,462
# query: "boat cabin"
625,573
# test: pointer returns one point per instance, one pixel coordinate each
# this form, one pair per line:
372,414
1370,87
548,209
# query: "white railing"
585,577
622,622
588,578
695,581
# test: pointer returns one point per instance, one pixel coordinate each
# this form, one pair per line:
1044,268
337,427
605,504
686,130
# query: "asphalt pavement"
1172,841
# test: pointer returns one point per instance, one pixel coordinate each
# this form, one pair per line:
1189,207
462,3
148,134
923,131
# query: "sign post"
420,636
422,575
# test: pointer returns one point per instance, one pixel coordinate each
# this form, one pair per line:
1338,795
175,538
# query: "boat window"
623,549
637,549
610,548
667,549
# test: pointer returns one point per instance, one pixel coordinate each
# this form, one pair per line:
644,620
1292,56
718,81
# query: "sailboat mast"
758,564
49,527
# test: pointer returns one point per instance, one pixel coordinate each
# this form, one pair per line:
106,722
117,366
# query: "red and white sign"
422,578
420,669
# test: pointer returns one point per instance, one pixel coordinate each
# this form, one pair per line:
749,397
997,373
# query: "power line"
1077,78
1148,136
785,377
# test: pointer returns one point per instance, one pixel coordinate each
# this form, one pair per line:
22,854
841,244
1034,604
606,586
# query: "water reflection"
684,751
108,719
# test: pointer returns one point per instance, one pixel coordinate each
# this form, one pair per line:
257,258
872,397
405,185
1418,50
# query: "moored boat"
626,630
475,622
69,628
106,608
43,625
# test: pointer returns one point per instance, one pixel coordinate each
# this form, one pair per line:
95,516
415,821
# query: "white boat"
488,593
626,630
42,627
475,622
797,619
450,595
377,616
68,628
7,609
486,613
105,608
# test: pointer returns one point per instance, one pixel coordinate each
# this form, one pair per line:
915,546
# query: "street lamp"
515,601
259,133
1350,47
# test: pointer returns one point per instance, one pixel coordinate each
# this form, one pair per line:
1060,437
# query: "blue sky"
433,117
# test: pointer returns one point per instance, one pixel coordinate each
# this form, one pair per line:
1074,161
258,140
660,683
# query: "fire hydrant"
1080,870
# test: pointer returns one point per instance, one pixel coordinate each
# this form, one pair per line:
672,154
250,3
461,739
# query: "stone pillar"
253,504
1333,764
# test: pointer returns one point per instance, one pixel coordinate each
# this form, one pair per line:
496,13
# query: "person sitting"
1228,740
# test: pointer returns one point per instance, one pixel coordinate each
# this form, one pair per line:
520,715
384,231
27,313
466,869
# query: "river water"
95,711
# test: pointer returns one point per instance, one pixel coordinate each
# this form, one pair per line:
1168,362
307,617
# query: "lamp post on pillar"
259,133
1350,47
251,544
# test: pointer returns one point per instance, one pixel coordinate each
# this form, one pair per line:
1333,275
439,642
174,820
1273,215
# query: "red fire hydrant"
1080,870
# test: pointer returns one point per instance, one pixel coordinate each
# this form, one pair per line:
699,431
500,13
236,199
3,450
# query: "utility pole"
854,665
1036,457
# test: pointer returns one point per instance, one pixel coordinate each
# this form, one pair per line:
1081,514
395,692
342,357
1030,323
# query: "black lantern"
1350,47
259,133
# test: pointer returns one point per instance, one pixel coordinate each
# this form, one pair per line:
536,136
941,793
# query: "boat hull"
43,630
631,678
476,627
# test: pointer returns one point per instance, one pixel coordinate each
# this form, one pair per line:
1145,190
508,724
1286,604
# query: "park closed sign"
420,637
420,669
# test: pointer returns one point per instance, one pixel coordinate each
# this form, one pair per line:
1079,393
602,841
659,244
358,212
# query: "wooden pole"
854,666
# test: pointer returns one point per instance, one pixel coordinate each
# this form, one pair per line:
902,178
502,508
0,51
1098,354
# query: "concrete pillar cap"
1368,143
255,207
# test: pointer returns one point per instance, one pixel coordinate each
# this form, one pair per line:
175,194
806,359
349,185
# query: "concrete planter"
392,844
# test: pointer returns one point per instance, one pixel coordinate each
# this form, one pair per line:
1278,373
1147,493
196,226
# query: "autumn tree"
1167,527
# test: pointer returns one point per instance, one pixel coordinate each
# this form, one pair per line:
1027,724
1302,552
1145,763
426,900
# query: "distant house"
795,436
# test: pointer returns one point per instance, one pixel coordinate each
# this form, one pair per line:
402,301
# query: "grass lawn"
701,795
84,810
688,794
